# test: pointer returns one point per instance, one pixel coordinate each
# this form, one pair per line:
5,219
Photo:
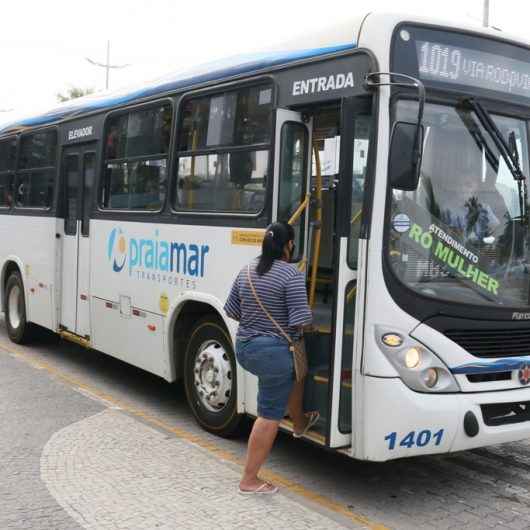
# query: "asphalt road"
87,441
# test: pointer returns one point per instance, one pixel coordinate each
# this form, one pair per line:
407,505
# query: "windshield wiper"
476,133
508,152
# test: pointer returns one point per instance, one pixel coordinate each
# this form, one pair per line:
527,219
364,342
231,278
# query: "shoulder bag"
296,347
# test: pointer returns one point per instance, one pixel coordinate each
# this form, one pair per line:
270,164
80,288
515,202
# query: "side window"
136,159
8,156
35,178
293,160
71,177
223,152
361,144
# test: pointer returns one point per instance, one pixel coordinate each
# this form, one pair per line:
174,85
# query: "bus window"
230,134
230,182
360,160
136,151
241,117
36,170
71,177
89,175
8,152
293,156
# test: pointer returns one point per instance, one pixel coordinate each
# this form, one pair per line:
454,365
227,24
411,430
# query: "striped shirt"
282,291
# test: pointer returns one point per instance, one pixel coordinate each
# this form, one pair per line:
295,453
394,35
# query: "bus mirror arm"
404,172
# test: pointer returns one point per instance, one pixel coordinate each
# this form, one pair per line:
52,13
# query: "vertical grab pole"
317,229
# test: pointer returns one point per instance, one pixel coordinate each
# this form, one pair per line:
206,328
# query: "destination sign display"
465,66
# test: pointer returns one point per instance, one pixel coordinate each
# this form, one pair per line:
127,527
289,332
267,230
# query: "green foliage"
74,92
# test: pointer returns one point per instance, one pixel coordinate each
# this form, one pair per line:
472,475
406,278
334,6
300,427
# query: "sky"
44,44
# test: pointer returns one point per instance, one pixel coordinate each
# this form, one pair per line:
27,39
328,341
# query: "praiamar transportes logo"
155,254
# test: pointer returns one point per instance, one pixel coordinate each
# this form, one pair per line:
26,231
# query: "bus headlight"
412,357
430,377
419,368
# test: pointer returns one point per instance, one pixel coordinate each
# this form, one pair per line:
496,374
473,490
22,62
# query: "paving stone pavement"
478,489
111,471
32,408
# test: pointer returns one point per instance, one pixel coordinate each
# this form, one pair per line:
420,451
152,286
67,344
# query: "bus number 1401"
422,439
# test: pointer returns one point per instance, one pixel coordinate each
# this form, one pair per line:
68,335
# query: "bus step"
345,379
316,437
77,339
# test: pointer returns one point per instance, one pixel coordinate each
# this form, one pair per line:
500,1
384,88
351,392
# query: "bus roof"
213,71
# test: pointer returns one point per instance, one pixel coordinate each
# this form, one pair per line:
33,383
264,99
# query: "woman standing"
262,350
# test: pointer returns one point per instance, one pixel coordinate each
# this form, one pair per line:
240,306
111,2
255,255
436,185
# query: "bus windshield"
463,234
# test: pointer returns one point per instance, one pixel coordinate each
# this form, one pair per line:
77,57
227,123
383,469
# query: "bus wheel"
210,378
18,328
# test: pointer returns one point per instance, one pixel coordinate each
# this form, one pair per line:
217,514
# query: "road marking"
207,445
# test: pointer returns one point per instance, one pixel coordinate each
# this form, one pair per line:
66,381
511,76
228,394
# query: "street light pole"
107,65
486,14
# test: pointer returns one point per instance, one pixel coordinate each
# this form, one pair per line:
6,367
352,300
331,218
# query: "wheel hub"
212,375
13,307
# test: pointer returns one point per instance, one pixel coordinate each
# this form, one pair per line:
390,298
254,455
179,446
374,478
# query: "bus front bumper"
399,422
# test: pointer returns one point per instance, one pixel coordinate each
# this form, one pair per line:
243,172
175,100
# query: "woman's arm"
298,309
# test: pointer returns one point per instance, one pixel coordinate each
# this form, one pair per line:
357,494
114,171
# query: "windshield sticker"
455,257
401,223
434,250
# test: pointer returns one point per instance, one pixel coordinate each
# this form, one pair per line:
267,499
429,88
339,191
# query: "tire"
20,331
210,370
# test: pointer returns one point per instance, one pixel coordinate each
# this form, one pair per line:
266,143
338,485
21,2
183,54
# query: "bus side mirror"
404,160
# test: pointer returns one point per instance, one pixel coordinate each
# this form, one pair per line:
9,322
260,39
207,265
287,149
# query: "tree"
74,92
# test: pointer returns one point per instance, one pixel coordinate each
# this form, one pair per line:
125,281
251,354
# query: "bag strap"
270,317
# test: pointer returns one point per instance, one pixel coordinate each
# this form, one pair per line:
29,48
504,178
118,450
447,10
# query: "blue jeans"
270,359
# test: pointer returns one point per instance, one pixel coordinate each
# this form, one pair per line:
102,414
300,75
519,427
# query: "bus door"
350,260
292,164
78,173
339,154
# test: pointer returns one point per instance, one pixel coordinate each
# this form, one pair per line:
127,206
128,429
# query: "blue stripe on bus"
218,70
485,367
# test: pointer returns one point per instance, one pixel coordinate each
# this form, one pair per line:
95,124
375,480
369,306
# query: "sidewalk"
75,458
111,471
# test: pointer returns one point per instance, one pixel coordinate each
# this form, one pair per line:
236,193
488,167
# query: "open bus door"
327,218
350,255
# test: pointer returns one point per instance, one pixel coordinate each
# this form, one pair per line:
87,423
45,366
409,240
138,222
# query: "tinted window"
138,185
139,133
240,117
137,145
226,182
71,164
38,150
6,192
293,158
8,154
89,174
230,173
35,179
34,189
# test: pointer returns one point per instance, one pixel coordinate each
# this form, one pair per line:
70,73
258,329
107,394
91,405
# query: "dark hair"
277,235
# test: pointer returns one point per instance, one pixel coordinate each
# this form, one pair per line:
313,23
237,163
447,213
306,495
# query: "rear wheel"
210,377
19,329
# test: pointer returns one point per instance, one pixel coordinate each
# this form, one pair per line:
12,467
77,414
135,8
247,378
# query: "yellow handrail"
356,216
300,210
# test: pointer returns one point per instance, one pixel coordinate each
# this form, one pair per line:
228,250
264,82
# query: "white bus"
397,147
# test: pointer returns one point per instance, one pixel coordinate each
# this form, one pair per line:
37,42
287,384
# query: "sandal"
265,489
313,417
